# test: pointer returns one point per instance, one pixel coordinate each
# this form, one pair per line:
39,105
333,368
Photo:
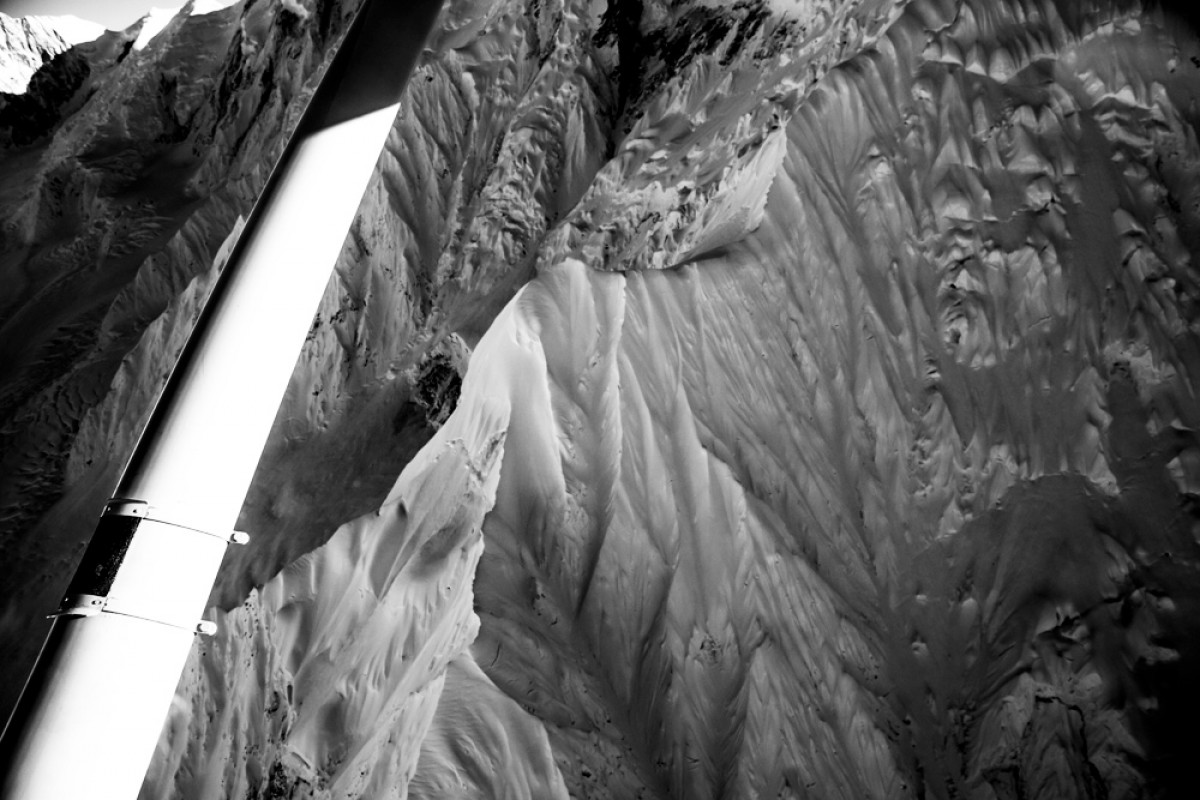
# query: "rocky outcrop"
788,399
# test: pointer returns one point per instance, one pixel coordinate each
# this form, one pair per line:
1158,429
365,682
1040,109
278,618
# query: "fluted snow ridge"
880,485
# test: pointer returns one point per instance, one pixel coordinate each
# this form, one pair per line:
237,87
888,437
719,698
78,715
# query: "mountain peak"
28,42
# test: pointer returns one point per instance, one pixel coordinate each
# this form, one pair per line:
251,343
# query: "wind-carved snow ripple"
705,137
491,142
877,492
872,497
892,481
326,681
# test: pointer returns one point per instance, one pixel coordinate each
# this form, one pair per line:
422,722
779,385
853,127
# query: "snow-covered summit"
156,19
152,23
73,29
26,43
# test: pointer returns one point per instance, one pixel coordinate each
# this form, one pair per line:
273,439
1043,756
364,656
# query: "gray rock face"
768,399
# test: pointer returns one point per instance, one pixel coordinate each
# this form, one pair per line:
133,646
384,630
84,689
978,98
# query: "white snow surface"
828,421
73,29
157,18
152,24
26,43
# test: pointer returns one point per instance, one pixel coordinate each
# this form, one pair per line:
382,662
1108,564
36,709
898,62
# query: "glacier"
780,398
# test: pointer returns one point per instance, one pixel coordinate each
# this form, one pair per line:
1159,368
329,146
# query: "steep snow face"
888,495
26,43
406,303
828,426
346,649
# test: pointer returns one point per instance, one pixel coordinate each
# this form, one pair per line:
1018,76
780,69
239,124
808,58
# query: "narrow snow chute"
93,707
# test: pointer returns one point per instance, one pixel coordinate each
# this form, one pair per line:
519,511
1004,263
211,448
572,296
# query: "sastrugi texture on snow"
711,400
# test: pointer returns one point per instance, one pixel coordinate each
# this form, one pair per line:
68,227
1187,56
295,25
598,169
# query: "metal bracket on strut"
90,605
143,510
98,585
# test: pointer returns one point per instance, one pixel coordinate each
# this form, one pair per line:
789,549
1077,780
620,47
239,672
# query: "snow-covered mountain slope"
26,43
829,416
